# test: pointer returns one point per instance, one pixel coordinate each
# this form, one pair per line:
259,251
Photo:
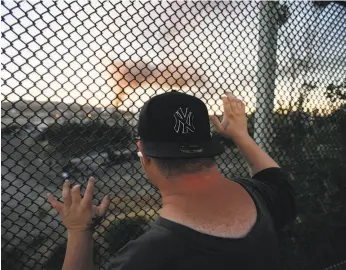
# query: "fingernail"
66,181
48,194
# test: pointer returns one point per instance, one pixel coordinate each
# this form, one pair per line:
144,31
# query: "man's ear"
140,147
145,159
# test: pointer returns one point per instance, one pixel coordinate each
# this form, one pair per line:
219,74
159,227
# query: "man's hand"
79,214
234,122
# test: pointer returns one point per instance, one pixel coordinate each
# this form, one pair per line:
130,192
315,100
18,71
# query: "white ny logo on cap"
183,121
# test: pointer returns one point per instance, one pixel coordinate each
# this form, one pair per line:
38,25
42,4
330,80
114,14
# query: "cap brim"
203,149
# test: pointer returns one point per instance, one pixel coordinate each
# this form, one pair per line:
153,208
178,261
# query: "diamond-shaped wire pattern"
75,74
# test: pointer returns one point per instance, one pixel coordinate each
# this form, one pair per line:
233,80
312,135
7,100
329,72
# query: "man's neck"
190,184
188,191
211,205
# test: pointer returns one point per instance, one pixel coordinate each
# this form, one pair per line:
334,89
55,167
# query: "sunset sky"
69,58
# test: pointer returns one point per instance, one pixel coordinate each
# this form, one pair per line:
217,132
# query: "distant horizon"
98,106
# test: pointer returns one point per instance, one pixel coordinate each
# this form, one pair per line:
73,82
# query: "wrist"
79,232
241,138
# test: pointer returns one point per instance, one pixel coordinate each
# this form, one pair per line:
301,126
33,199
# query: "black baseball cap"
176,125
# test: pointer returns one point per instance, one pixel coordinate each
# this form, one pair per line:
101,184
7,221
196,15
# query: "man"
207,221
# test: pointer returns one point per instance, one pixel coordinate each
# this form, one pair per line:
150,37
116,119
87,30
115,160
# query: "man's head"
158,169
175,137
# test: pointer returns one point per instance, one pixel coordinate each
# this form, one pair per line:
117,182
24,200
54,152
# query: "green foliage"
335,92
312,149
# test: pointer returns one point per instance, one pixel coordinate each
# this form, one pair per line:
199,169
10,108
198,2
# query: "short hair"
177,167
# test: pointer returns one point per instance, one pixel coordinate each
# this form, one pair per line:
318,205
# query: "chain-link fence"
75,74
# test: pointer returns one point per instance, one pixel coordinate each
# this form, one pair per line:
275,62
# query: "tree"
335,92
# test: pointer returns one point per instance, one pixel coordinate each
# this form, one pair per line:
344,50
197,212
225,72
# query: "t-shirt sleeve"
277,194
147,252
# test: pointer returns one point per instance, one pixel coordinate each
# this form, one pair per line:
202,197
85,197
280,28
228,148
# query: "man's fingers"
75,194
229,95
88,195
52,200
216,122
235,103
55,204
104,206
240,105
66,194
232,101
226,105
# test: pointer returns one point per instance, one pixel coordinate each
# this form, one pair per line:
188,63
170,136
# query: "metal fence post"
266,68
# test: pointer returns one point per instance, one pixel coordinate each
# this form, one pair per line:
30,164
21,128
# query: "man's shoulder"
271,189
155,237
148,250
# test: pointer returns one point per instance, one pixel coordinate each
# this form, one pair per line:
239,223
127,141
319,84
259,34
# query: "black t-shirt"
168,245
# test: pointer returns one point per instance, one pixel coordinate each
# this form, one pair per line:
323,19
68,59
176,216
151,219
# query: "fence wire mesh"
75,74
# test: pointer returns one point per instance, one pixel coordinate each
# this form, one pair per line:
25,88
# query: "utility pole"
268,32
